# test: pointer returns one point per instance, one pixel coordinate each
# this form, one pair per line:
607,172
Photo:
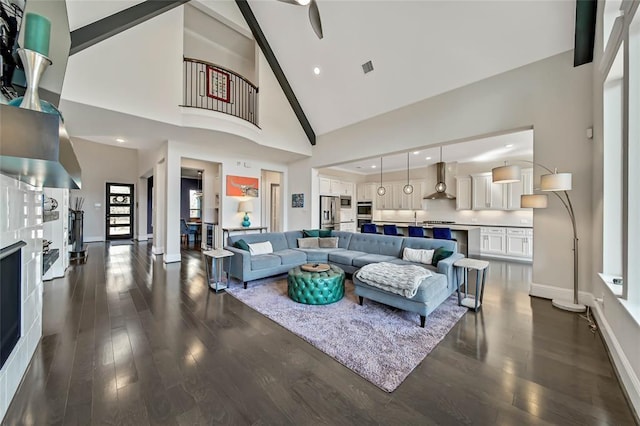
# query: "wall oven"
364,208
345,201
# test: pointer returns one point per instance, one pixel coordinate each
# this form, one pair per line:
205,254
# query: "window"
621,162
195,202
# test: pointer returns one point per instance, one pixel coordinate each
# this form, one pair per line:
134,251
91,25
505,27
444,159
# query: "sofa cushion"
264,261
277,239
439,254
328,242
429,243
371,258
292,238
417,255
428,288
344,238
345,256
309,242
377,244
317,232
241,244
291,257
264,247
319,254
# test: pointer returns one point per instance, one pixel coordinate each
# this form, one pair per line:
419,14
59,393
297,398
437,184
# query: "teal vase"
46,107
245,220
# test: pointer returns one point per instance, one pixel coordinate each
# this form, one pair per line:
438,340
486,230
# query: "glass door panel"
119,220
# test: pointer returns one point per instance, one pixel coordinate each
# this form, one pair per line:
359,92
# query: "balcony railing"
209,86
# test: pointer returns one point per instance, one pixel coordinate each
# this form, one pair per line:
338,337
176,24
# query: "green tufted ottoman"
316,288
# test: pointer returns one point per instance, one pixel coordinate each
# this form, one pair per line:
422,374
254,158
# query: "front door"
119,220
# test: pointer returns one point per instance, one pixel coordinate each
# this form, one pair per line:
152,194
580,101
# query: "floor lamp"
559,184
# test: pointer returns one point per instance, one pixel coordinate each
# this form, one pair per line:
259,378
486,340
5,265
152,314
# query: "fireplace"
10,298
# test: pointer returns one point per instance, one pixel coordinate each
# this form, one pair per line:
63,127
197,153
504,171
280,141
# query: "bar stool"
480,266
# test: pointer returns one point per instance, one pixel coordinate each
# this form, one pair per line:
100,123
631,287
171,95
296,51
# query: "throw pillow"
308,243
311,233
417,255
324,233
328,242
241,244
261,248
439,254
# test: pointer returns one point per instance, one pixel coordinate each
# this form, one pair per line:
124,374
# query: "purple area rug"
380,343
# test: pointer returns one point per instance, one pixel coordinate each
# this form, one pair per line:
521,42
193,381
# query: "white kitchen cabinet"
463,192
520,242
55,228
366,191
347,188
516,189
325,186
493,240
416,197
486,194
385,202
336,187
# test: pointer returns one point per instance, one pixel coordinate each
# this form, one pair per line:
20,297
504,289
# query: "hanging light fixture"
505,174
199,191
408,188
381,189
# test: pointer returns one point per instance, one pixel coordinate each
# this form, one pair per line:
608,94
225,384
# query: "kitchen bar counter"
405,224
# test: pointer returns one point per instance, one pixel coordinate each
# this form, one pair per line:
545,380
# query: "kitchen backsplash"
445,210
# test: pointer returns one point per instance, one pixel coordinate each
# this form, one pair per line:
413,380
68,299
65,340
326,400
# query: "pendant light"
408,188
199,191
381,189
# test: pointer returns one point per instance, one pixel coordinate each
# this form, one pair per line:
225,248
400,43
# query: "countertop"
453,226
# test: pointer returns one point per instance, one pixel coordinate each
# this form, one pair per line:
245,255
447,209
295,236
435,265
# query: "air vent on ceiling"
367,67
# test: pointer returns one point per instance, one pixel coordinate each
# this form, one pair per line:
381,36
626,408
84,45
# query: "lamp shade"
555,182
245,207
534,201
505,174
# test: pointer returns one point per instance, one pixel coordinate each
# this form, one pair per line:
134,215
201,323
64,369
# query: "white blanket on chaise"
399,279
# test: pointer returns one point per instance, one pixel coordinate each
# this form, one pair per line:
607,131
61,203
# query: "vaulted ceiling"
418,48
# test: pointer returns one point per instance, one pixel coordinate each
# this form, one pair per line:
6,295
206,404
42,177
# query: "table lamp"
245,207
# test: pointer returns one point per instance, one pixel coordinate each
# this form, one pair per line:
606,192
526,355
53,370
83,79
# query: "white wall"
84,12
21,220
101,164
551,96
138,71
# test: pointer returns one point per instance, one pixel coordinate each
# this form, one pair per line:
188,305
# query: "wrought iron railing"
215,88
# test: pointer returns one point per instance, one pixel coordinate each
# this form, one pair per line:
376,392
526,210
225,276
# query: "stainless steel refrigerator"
330,212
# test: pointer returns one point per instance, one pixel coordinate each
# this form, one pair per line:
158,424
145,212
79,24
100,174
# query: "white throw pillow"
261,248
308,243
328,242
417,255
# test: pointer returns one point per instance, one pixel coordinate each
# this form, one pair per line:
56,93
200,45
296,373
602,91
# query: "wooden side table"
480,266
213,266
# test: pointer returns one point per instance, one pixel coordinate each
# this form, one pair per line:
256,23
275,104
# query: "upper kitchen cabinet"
516,189
487,195
365,191
463,192
335,187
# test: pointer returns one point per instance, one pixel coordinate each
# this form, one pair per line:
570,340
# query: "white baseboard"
157,250
172,258
143,237
630,381
150,236
93,239
552,292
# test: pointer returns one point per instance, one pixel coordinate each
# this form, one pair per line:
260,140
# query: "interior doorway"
272,200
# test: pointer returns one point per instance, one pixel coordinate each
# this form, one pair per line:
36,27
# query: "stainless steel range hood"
441,186
35,148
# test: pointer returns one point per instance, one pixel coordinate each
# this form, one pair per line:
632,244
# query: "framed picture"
297,200
240,186
218,84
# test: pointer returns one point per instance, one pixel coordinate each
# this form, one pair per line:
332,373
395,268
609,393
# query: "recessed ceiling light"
373,166
316,71
428,158
509,145
416,152
120,140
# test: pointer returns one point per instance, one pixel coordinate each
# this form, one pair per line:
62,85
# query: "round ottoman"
316,288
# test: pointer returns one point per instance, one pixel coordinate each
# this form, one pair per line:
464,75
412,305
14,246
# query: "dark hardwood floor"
131,341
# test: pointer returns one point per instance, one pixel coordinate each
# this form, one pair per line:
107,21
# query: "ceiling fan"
314,14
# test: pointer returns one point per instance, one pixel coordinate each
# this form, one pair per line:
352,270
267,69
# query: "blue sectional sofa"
353,252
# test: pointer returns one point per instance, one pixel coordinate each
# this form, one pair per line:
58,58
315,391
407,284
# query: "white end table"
480,267
213,266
